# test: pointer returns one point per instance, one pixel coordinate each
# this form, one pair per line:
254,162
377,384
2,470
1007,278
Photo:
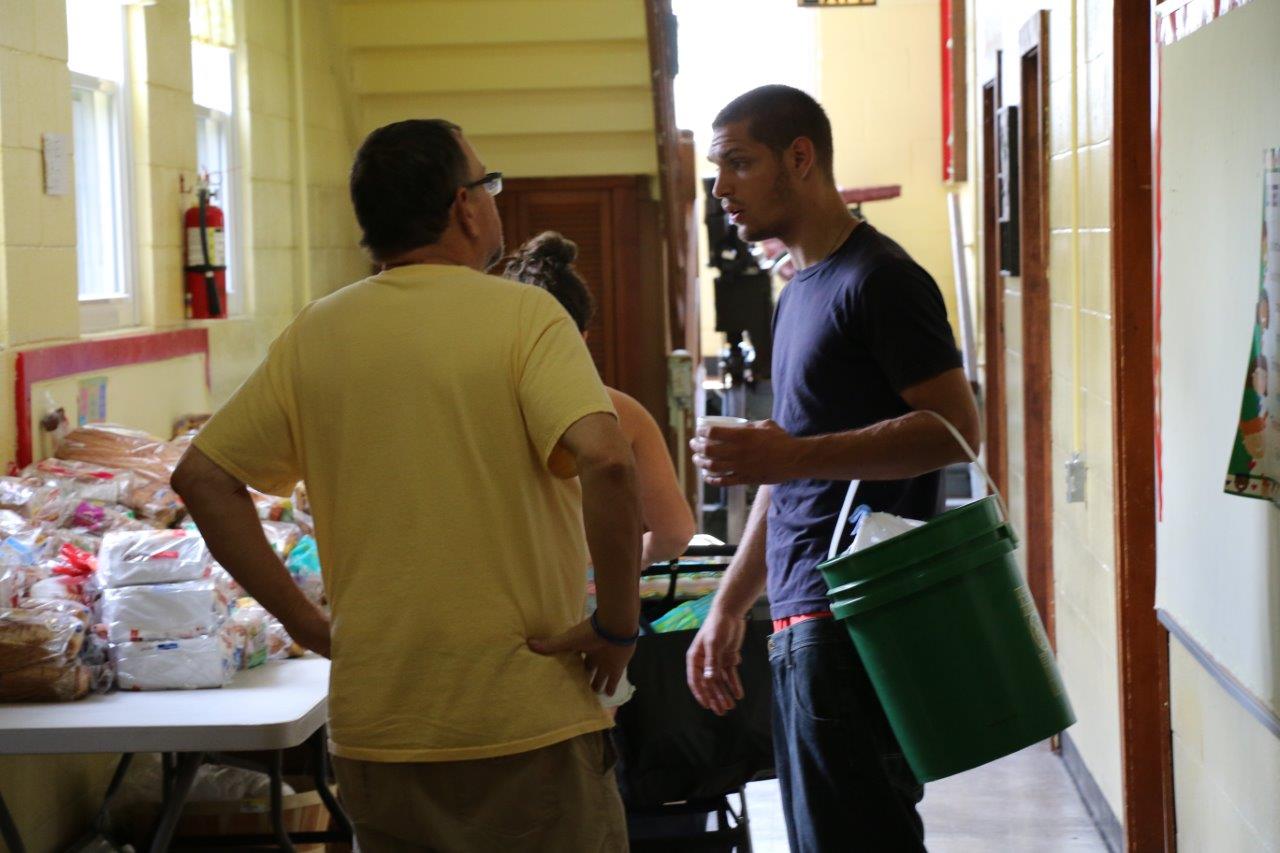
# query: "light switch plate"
1075,479
57,176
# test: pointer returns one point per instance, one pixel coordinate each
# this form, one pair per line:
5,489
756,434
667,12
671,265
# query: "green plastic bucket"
952,641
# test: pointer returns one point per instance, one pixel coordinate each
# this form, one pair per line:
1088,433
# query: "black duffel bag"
670,748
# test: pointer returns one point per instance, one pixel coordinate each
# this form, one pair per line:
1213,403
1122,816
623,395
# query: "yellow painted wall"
552,88
300,235
1080,343
1217,556
880,80
1226,765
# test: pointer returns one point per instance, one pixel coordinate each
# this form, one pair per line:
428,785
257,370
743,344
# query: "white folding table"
271,708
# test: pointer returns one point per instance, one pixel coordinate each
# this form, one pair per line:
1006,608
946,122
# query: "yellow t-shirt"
421,406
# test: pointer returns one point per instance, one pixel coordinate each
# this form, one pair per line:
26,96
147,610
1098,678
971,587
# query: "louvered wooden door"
600,215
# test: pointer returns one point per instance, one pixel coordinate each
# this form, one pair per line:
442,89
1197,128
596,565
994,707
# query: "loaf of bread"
49,682
118,447
36,636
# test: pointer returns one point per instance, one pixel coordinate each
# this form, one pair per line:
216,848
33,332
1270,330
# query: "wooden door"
612,220
1037,365
993,397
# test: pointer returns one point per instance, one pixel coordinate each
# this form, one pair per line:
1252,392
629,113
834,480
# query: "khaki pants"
559,799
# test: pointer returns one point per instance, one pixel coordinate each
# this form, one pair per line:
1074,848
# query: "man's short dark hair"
403,183
777,115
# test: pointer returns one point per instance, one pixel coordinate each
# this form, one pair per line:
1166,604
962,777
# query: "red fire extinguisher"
206,269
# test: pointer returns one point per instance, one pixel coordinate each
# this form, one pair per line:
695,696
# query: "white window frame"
230,198
119,310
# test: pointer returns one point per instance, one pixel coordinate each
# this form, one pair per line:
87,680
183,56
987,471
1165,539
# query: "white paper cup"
721,421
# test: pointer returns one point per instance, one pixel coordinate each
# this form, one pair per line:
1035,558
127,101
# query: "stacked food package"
163,610
102,582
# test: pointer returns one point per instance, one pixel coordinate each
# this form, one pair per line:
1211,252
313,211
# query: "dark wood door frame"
993,397
1037,365
1143,644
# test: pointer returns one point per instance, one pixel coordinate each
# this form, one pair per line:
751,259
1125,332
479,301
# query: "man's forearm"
909,446
230,526
611,514
744,580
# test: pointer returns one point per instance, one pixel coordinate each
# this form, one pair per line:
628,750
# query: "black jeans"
845,784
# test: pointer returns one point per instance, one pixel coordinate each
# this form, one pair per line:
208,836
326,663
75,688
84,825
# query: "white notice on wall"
57,178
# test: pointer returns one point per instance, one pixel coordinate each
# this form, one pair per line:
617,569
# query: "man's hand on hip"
606,663
759,453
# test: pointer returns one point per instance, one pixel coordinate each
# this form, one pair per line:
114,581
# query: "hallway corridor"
1024,803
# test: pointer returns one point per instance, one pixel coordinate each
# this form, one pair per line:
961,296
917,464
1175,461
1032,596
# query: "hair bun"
552,247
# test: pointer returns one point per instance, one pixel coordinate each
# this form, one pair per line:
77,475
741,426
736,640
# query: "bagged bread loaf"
132,557
119,447
83,481
149,459
41,633
28,497
46,682
282,535
247,629
163,611
173,664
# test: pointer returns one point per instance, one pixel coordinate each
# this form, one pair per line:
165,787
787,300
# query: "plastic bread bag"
271,507
163,611
131,557
83,480
96,657
114,446
46,682
13,524
157,501
100,519
10,587
27,496
279,644
248,630
188,664
283,536
40,635
304,564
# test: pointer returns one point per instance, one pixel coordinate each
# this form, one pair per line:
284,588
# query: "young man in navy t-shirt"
862,348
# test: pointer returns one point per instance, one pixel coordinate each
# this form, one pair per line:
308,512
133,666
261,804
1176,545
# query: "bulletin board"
1218,555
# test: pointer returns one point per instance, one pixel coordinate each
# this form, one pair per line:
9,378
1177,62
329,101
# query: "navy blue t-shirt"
850,334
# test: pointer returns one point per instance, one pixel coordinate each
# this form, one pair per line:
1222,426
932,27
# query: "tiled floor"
1024,803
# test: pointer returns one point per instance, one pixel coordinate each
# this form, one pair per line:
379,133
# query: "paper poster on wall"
1254,468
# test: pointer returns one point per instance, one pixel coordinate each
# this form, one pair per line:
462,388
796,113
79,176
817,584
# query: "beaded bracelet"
612,639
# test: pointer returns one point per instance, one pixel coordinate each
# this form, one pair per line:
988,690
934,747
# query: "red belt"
788,621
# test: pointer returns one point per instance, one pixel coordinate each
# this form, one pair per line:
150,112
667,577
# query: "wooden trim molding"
663,63
994,397
1143,647
1037,358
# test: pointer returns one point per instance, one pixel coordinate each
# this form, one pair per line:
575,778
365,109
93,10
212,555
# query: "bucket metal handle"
964,445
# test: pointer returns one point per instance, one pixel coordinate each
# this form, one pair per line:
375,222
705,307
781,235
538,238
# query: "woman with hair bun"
546,261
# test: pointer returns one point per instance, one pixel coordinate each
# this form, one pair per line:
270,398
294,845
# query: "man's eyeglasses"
491,182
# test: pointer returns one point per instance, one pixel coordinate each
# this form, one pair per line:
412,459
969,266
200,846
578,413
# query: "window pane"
213,132
99,255
95,38
211,77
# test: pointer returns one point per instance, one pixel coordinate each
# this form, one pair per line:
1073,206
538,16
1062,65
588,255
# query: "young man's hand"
711,664
606,663
759,453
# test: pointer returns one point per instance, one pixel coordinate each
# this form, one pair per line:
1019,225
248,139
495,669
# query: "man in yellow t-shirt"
422,406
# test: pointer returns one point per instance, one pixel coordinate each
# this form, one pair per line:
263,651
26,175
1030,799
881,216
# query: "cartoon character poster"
1254,469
